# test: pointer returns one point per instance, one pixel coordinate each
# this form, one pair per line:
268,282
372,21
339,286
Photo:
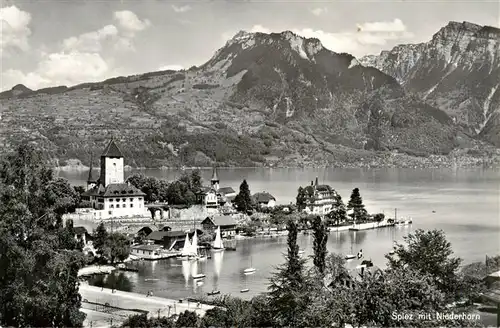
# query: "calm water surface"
466,205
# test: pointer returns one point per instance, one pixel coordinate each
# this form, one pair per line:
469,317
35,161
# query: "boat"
151,279
350,256
199,276
194,271
251,269
213,292
218,245
186,250
244,290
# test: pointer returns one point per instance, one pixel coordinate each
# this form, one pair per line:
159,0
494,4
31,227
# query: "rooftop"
263,197
221,220
147,247
112,150
159,235
114,190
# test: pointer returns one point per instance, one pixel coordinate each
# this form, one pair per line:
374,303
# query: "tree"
356,205
428,252
196,181
289,296
141,236
379,217
187,319
119,247
320,235
301,199
100,239
38,266
243,200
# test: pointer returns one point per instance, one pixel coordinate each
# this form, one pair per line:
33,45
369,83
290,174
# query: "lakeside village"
48,250
186,219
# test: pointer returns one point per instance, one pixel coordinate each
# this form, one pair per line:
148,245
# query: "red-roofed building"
109,195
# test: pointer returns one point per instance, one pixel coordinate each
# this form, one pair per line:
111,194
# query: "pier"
370,225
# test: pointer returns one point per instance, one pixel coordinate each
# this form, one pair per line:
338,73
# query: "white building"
322,201
264,199
110,196
214,197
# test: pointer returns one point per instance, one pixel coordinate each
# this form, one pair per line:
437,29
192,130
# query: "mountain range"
280,99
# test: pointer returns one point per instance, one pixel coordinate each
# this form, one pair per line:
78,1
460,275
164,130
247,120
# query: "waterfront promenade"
156,306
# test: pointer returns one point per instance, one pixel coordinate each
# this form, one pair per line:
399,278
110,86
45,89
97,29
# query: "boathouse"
226,223
167,239
147,252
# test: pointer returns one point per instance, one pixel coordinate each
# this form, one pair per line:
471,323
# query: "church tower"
91,180
215,179
111,165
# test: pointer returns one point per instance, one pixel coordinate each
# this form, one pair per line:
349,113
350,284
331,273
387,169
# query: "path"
156,306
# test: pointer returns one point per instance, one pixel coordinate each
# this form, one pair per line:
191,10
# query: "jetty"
371,225
341,228
153,305
95,269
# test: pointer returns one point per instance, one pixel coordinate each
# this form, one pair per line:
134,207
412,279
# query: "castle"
109,195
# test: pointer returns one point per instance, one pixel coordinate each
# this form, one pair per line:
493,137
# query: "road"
157,306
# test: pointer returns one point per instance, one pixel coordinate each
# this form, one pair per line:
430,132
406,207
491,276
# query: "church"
214,197
109,195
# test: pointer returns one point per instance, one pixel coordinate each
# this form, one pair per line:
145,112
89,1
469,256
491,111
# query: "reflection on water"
463,203
113,280
185,272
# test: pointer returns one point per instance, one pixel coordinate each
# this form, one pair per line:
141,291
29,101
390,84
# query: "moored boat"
213,292
199,276
244,290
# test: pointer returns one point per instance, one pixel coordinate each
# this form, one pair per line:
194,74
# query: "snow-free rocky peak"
458,71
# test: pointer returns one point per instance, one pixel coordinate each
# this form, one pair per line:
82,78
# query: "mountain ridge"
261,99
458,71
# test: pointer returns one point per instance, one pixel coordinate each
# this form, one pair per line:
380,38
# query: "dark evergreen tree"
101,239
243,200
320,234
289,286
356,204
301,199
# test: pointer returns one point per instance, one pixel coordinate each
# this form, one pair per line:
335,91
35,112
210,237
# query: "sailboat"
218,245
351,255
245,290
186,250
251,269
194,248
217,269
194,272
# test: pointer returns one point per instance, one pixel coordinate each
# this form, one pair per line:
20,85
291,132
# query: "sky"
66,42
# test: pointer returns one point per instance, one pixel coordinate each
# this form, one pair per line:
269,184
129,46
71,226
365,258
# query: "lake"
463,203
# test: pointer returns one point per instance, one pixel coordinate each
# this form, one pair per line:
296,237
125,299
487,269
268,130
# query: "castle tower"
91,180
111,165
215,179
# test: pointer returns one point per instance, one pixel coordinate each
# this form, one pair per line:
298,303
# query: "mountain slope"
457,71
262,99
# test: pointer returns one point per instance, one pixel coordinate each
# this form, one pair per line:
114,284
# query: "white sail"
218,240
194,245
187,247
